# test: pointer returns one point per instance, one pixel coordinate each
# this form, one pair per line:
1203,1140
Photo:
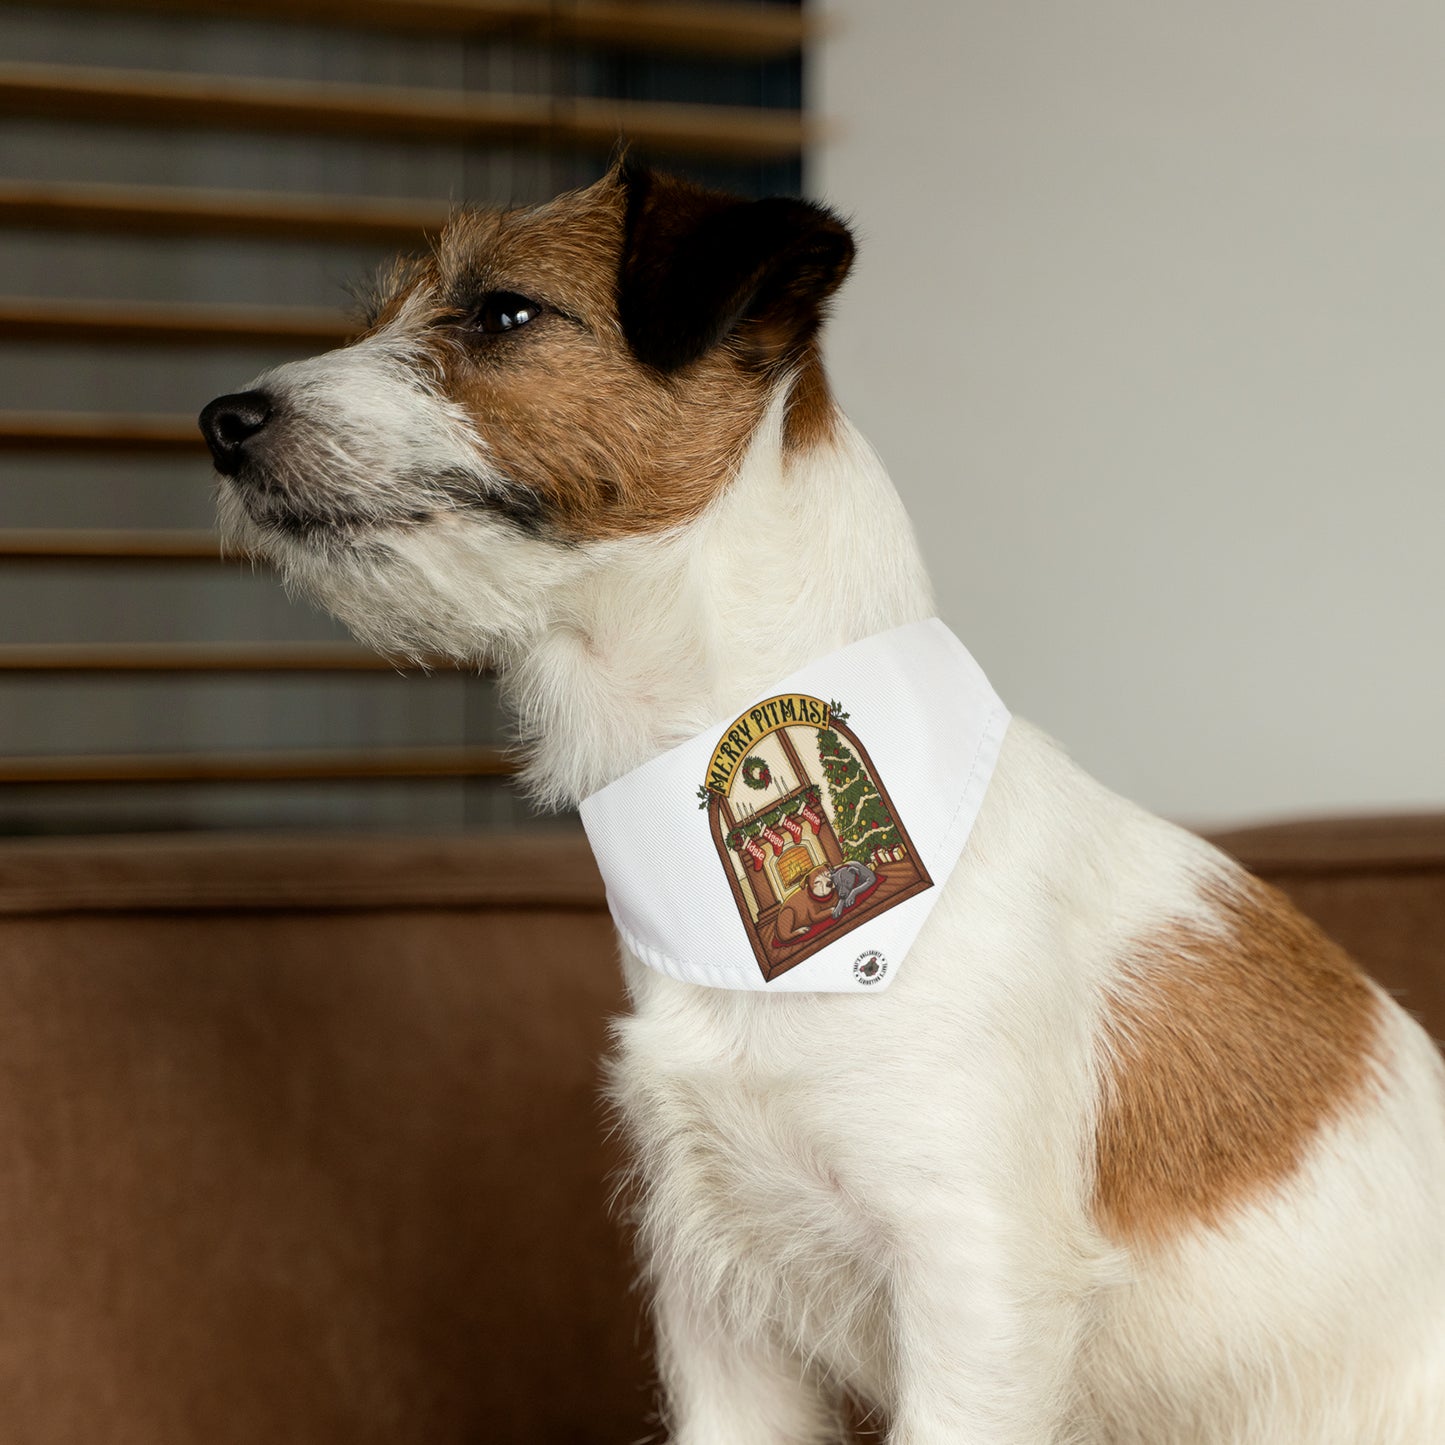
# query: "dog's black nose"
229,422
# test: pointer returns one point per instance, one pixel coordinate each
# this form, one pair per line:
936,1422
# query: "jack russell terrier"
1125,1152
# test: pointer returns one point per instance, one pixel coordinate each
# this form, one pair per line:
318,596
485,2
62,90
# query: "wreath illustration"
756,773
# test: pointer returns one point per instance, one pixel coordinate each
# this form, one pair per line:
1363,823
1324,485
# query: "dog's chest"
746,1183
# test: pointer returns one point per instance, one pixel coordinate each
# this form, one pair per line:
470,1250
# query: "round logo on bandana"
869,967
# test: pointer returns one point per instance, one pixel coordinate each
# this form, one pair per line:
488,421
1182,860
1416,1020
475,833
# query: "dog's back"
1132,1116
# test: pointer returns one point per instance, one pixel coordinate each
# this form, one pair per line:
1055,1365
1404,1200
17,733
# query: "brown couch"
300,1139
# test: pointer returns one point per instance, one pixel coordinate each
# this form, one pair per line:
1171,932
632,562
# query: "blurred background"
1146,322
187,191
1149,324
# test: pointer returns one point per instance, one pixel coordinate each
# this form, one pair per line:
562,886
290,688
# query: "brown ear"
700,266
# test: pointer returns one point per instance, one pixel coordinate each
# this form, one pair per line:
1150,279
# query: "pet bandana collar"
801,846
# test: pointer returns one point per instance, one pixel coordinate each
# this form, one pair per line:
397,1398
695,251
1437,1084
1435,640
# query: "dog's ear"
699,266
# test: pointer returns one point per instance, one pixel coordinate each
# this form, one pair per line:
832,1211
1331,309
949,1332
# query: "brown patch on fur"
382,300
608,446
1227,1052
812,417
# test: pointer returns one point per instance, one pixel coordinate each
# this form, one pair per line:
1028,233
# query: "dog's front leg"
722,1389
984,1349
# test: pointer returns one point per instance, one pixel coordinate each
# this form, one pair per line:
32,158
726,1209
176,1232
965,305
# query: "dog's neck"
804,553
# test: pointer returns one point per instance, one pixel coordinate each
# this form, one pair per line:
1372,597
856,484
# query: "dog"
1129,1153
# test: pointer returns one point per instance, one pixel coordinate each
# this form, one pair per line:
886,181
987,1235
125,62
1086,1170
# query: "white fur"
891,1194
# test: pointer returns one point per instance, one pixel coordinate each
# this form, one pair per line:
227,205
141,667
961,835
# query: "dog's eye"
504,311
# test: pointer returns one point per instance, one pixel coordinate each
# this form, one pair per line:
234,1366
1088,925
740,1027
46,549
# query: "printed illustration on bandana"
805,829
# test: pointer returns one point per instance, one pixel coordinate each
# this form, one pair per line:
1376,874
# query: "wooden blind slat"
216,102
708,29
169,323
741,31
76,544
141,657
260,767
77,431
175,210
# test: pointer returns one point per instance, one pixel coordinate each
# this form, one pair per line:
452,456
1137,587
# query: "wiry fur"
898,1196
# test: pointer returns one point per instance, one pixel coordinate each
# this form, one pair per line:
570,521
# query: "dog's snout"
229,422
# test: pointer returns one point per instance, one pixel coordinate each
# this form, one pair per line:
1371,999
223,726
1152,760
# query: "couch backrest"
302,1139
302,1142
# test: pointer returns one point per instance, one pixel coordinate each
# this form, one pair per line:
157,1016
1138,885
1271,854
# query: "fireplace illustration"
794,864
805,829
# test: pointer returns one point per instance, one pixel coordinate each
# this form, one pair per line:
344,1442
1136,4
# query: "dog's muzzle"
230,422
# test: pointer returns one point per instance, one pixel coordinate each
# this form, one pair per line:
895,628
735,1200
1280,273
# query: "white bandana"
802,846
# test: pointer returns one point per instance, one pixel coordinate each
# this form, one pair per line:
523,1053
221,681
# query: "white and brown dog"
1129,1153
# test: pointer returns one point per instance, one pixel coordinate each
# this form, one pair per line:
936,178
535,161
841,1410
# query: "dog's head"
547,382
820,882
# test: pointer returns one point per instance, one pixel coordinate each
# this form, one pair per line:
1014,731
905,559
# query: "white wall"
1149,324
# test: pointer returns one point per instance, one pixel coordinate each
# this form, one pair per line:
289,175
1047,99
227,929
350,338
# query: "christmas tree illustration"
860,819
